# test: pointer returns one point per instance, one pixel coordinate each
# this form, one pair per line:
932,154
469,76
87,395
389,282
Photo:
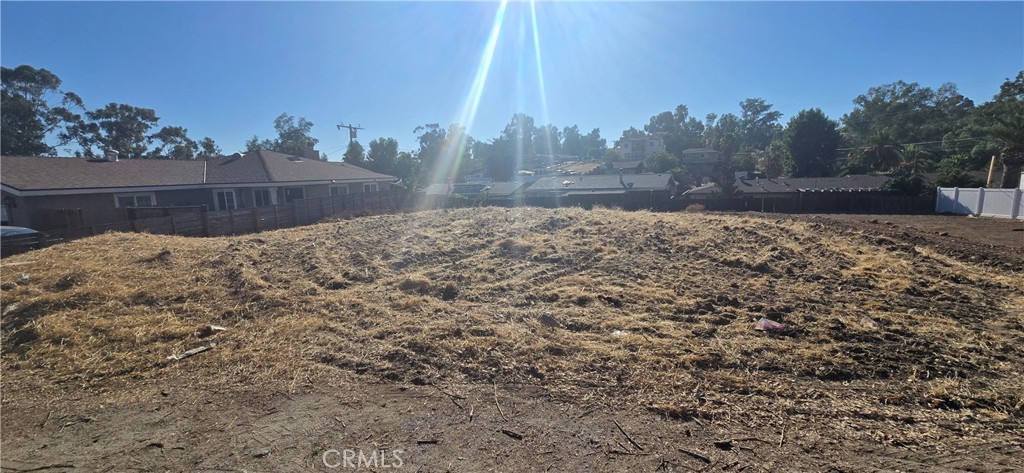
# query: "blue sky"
226,70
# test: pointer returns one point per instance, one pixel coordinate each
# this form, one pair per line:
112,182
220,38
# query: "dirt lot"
523,339
990,240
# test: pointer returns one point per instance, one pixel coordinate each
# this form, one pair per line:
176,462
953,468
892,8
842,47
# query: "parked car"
14,240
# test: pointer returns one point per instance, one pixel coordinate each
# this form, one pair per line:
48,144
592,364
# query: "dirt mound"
883,340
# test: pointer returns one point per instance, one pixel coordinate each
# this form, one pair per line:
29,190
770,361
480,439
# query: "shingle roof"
694,156
36,173
851,183
284,168
494,189
640,182
505,188
236,168
40,173
625,164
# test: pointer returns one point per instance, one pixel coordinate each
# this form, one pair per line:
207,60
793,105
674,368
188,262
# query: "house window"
339,190
370,187
294,193
263,197
145,199
225,199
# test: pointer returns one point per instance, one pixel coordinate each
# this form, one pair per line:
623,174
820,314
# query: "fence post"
295,212
231,220
981,200
256,219
174,228
277,218
1015,209
206,223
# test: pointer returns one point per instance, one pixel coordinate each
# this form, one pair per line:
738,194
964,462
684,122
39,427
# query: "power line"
908,144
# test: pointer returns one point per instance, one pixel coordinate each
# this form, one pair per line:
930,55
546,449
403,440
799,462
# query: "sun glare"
454,149
540,73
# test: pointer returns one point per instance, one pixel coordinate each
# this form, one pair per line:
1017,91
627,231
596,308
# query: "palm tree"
1009,133
909,156
881,155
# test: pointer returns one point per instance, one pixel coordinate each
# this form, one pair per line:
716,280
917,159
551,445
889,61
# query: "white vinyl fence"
1005,203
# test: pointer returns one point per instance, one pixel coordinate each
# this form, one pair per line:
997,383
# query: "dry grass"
656,311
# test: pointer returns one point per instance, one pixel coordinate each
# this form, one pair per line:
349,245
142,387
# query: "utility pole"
351,130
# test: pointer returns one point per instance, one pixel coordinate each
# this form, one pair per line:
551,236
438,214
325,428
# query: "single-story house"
503,193
792,187
629,190
41,192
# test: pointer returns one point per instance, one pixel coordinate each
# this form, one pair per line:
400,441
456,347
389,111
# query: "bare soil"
523,340
993,241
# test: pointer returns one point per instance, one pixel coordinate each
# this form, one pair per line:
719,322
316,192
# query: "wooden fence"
814,202
240,221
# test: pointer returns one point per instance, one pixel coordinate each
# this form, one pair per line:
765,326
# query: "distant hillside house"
39,192
641,148
700,163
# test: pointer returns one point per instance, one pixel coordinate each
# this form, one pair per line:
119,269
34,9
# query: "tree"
520,132
406,167
811,139
1009,133
548,139
905,113
174,143
912,158
661,162
116,127
594,145
442,152
953,172
678,129
726,179
30,110
880,154
572,141
431,140
499,158
355,155
759,124
208,149
723,133
905,182
772,160
293,137
974,139
383,155
612,155
628,135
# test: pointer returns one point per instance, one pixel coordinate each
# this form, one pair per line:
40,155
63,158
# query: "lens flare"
540,77
453,150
